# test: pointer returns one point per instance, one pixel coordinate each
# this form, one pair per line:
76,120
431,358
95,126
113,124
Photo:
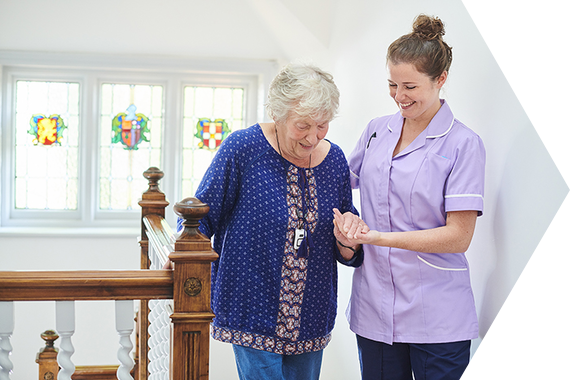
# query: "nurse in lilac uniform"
421,177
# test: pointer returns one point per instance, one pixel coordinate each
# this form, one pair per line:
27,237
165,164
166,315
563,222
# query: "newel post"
153,202
47,357
190,334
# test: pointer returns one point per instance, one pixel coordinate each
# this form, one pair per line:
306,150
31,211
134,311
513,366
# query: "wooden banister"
105,372
86,285
160,236
153,202
188,284
190,339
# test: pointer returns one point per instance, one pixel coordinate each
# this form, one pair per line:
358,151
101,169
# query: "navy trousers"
440,361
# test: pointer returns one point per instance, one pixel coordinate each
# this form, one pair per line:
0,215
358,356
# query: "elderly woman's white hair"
304,89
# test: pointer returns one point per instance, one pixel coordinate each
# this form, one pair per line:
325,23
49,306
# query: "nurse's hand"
349,225
354,231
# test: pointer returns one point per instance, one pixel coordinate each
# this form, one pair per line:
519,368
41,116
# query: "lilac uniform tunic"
400,295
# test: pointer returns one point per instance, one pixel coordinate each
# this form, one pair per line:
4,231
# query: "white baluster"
65,326
6,330
152,341
159,341
124,319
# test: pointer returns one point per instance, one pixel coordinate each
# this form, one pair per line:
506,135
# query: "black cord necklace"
302,240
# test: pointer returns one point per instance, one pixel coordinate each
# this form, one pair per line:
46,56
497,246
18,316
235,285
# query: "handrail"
187,285
160,236
86,285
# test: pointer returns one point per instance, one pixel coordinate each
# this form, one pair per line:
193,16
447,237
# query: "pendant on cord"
299,237
303,242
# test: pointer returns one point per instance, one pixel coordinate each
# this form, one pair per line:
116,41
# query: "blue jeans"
440,361
255,364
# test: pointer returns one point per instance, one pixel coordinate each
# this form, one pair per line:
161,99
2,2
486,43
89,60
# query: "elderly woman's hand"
348,229
350,226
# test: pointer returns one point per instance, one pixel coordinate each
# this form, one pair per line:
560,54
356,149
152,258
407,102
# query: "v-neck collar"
439,126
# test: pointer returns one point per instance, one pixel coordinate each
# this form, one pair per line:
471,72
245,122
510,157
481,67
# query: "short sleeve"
465,184
357,156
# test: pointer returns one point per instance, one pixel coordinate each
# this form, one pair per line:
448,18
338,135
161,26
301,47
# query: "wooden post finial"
192,210
47,357
49,336
153,175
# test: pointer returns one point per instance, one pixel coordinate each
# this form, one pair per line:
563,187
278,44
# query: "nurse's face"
415,93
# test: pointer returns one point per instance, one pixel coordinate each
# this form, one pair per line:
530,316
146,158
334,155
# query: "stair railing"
183,291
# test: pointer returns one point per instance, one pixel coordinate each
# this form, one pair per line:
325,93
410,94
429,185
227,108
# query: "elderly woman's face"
299,136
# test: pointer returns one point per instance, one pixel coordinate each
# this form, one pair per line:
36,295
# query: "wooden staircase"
187,284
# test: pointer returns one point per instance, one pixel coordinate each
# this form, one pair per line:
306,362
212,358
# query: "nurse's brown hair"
424,47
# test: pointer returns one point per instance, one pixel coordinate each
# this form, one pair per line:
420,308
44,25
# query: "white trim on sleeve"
464,196
351,172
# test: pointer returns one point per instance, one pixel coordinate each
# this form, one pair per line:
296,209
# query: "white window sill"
132,232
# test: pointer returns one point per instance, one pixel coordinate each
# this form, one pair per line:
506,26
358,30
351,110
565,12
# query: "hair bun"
428,28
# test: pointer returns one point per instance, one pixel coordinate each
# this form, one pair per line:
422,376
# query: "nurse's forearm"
454,237
436,240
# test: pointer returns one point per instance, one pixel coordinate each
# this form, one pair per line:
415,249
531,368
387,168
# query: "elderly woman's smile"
299,137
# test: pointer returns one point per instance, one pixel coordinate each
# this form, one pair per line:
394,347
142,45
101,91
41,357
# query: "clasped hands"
350,230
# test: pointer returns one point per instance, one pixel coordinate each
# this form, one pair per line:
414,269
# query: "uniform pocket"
445,267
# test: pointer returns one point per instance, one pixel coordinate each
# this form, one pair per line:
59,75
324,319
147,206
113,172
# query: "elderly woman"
271,189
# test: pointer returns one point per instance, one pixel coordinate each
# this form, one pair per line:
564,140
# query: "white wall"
523,187
348,38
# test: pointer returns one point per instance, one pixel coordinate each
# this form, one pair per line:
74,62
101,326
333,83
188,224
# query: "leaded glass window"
131,139
210,113
46,147
76,138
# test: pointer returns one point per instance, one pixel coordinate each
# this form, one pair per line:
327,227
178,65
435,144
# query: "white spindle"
159,341
65,326
6,330
160,310
124,319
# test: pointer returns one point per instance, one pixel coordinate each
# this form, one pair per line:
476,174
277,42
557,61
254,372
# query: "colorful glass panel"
46,130
211,133
201,136
131,142
130,128
45,166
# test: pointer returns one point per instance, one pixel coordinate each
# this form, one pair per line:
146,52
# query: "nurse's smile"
415,93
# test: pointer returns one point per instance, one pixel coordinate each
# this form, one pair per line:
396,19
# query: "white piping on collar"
444,133
431,137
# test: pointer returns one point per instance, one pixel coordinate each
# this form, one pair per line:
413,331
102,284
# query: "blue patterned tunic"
264,295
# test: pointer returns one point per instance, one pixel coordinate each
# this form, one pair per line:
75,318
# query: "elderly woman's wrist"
353,249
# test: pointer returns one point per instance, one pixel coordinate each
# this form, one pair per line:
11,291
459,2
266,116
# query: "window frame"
91,71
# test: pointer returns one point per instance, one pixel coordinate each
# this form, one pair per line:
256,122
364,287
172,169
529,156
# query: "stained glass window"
131,139
210,113
130,128
46,130
210,134
46,147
